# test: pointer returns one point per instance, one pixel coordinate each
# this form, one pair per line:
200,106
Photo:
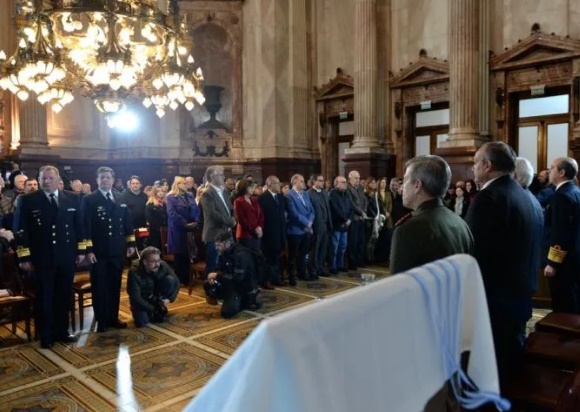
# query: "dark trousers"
509,333
356,244
272,270
164,289
211,258
253,243
106,286
182,265
53,289
298,246
565,293
318,252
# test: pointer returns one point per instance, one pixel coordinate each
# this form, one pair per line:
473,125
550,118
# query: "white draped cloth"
379,347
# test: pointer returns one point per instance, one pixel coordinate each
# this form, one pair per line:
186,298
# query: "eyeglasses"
153,261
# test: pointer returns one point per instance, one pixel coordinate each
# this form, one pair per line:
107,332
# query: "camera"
160,310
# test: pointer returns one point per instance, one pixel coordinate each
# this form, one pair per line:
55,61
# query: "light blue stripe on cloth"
444,312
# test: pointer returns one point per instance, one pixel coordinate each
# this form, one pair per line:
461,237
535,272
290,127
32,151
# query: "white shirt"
490,182
220,192
561,183
105,194
55,193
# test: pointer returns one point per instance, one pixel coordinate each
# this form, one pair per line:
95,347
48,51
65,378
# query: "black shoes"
68,339
118,324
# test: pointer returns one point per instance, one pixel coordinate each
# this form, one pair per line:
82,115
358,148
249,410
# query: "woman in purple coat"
182,217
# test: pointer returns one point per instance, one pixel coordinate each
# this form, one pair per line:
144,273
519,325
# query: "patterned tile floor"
157,368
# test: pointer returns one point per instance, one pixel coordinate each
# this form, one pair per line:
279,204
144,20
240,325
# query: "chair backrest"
163,231
569,399
10,276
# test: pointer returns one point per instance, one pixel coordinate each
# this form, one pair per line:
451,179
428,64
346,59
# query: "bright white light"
125,121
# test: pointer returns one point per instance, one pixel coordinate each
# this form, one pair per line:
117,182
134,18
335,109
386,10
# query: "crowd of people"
512,222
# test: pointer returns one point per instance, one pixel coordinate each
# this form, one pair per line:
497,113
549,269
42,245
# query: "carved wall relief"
425,80
335,102
540,59
217,37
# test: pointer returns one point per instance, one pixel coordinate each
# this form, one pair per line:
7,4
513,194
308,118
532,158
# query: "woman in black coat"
156,215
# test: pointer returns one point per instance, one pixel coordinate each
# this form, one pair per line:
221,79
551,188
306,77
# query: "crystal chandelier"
109,50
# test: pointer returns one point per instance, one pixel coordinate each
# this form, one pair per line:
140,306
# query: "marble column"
464,70
366,154
33,130
8,45
464,87
366,72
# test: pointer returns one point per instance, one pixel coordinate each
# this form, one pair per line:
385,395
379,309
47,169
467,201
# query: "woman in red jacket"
248,215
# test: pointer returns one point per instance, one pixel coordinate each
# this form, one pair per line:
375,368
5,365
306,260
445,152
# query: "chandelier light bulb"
22,95
102,50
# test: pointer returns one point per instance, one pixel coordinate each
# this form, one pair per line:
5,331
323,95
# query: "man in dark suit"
433,232
321,228
50,239
109,232
563,265
356,230
218,214
524,174
273,206
501,218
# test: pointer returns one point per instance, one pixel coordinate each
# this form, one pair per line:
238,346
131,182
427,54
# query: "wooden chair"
560,323
167,257
552,349
198,265
81,287
17,307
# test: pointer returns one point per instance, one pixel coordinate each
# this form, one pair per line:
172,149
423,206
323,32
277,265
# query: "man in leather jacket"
151,286
236,280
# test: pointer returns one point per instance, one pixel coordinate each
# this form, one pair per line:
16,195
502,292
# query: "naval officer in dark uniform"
431,231
109,233
50,241
563,263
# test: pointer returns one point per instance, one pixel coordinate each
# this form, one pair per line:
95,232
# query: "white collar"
562,183
105,193
55,193
486,184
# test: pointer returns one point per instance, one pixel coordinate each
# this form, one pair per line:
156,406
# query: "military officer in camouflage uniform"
431,231
50,240
109,233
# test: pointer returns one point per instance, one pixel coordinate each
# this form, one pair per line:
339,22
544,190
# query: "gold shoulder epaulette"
130,238
556,254
88,243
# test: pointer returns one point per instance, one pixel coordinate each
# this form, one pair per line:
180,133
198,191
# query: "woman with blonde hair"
156,216
182,217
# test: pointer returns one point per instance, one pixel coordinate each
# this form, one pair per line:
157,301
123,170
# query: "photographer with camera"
151,286
236,281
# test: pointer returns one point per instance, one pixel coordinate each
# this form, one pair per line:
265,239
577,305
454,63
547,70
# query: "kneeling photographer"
236,281
151,286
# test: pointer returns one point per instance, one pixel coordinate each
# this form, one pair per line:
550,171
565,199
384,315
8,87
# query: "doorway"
543,129
431,128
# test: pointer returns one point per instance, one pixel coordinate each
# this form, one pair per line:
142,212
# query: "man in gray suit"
217,214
